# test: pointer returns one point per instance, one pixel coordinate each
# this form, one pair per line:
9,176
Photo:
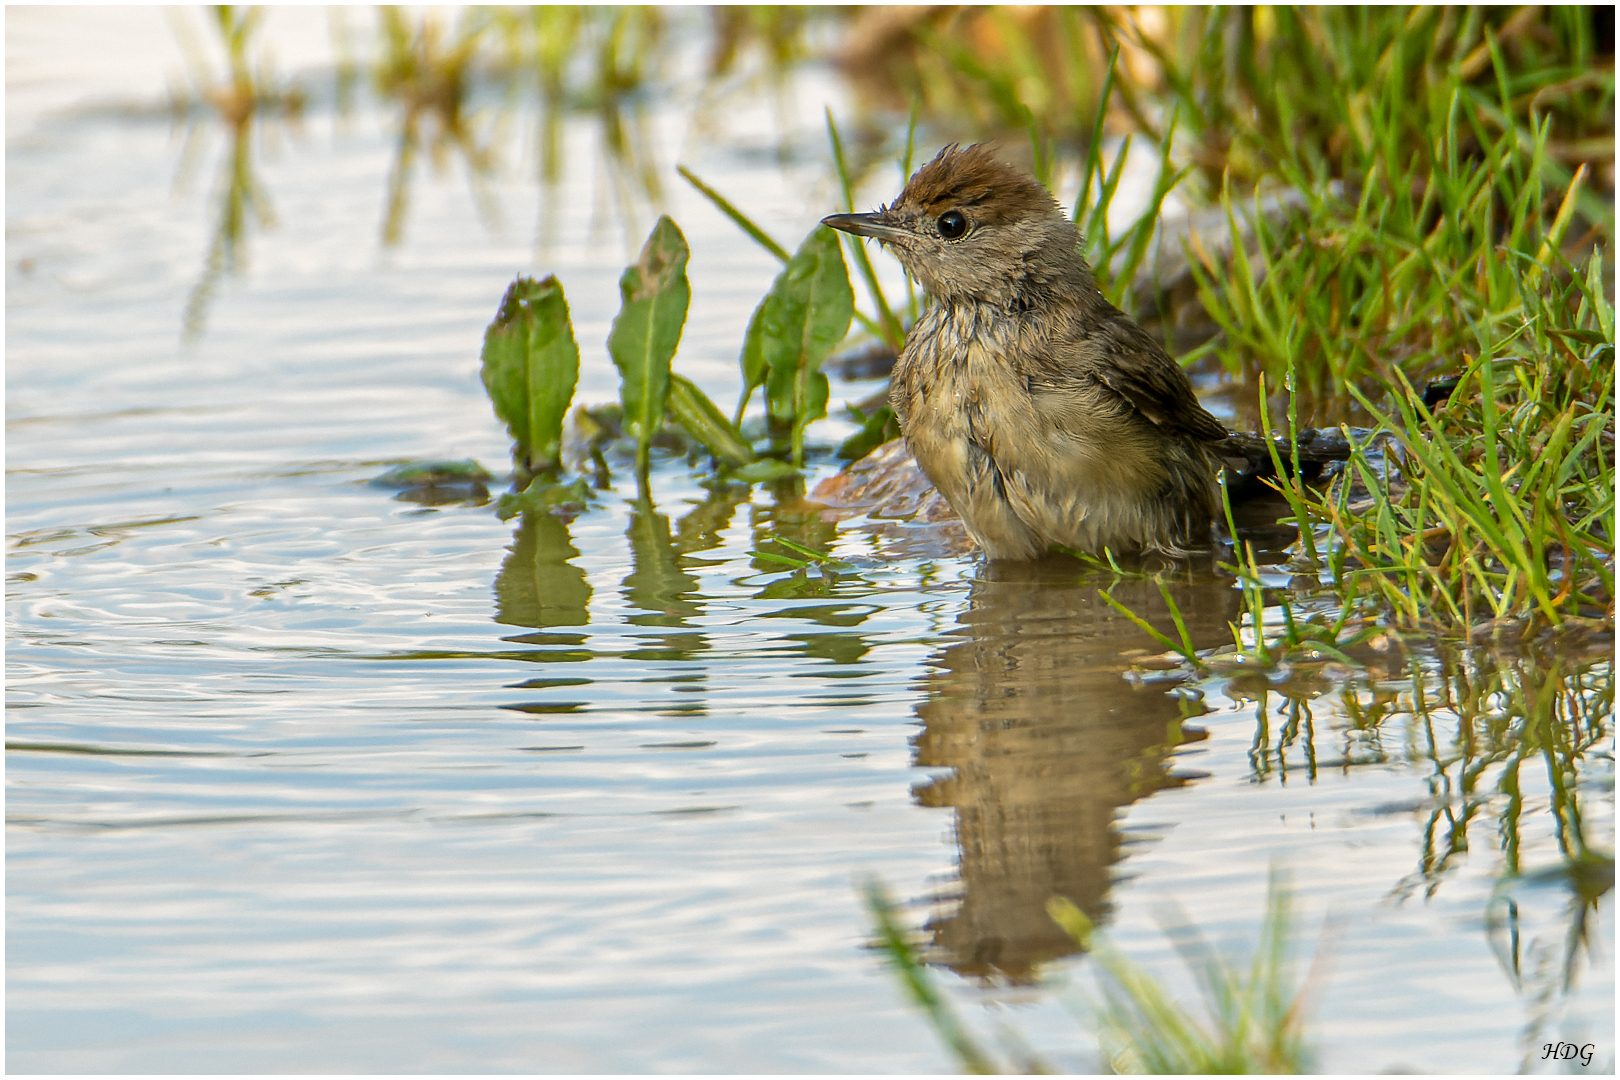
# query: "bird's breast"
967,405
992,420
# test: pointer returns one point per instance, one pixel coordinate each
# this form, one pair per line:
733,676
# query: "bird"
1044,415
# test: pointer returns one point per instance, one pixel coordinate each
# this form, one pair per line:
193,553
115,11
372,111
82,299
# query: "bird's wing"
1127,361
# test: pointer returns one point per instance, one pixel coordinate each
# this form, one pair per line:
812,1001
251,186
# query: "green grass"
1250,1019
1497,506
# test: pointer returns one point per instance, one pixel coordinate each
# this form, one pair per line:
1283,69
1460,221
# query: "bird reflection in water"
1046,740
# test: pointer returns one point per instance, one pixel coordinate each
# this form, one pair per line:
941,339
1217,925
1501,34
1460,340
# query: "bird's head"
969,227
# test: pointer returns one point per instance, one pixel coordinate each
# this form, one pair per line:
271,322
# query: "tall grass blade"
740,219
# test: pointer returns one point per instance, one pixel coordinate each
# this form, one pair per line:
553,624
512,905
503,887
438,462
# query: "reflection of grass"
1509,741
1536,711
624,51
427,71
1545,972
245,95
1523,722
1253,1019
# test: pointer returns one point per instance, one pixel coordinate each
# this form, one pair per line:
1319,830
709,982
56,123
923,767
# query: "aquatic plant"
654,295
531,366
1253,1020
530,369
804,316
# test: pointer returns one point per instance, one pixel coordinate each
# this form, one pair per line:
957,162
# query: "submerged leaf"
531,366
419,474
544,495
766,469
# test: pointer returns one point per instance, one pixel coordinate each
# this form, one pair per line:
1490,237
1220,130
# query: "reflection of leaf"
657,584
654,294
806,314
839,648
537,585
765,470
531,365
798,584
825,614
699,528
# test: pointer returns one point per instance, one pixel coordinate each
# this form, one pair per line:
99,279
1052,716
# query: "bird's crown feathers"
971,179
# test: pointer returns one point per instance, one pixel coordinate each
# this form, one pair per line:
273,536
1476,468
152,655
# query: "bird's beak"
872,225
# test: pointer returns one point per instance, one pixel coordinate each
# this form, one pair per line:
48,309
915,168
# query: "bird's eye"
952,225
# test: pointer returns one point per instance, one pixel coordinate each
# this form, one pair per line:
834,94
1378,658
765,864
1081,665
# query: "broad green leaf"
531,365
704,421
806,314
654,296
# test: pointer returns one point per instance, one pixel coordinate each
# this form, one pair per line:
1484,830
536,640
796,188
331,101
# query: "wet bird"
1045,415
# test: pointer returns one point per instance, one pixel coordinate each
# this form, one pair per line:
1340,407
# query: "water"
307,777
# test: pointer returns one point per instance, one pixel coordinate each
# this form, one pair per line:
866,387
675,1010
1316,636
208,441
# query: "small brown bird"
1042,413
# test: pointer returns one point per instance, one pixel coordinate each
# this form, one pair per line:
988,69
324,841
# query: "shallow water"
307,777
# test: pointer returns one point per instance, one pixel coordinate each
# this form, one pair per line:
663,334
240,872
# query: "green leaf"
704,421
654,296
531,366
783,560
876,430
752,359
806,314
